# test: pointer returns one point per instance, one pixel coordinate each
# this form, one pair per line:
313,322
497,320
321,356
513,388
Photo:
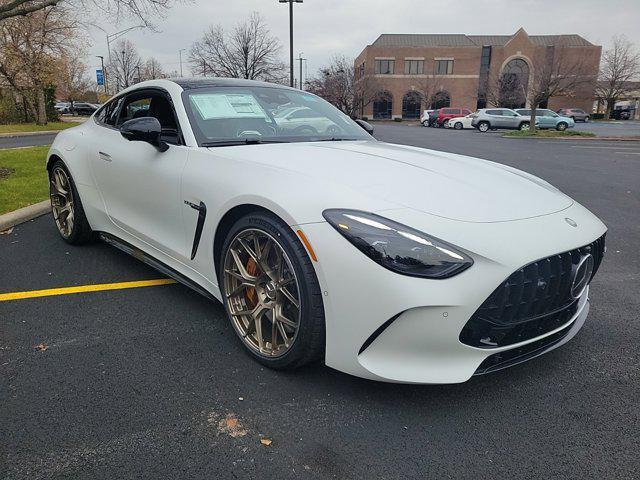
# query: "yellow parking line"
5,297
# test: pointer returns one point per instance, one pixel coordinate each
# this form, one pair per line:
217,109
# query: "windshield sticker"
216,105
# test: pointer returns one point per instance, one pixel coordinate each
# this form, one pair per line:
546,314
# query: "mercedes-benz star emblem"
581,275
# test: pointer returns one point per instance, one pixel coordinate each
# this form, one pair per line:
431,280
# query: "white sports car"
460,123
385,261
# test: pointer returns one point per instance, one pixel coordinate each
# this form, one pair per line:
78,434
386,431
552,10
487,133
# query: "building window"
485,65
385,67
413,67
360,71
444,67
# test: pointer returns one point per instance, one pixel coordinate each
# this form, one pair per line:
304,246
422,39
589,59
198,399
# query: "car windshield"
241,115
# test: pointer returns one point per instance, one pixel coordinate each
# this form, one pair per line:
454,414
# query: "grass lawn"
32,127
23,178
549,134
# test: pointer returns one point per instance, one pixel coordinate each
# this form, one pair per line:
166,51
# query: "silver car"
493,118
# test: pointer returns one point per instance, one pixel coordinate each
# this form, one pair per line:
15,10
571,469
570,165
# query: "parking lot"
151,382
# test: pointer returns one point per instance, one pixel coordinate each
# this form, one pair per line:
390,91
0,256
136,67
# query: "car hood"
443,184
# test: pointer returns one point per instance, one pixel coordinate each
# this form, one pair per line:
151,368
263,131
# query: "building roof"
462,40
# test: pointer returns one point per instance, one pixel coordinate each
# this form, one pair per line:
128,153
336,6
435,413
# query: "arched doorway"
411,105
441,99
514,84
383,105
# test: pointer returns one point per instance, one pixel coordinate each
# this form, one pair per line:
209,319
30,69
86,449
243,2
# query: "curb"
579,138
11,219
28,134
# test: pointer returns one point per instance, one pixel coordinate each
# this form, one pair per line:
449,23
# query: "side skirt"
154,263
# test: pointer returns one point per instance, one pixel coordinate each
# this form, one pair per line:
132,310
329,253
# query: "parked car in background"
303,120
62,107
444,115
493,118
424,119
621,114
462,122
577,114
546,118
82,108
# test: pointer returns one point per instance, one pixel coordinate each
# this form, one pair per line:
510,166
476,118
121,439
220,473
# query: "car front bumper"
416,323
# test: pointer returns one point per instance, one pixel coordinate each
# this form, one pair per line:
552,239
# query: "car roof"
188,83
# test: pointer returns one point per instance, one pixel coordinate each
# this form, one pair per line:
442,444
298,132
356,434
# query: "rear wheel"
457,125
586,119
425,123
271,293
562,126
66,206
524,127
483,127
445,124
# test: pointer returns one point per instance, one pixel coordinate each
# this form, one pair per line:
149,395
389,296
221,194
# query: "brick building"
456,70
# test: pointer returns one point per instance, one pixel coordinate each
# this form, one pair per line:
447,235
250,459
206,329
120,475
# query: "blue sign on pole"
100,76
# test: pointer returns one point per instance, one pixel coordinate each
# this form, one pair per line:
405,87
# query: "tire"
78,231
457,126
586,119
445,124
484,127
573,118
524,127
561,126
425,123
307,342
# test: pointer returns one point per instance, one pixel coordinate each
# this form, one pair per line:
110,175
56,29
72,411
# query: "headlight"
397,247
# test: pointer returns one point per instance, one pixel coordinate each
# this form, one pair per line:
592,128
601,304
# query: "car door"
546,118
511,118
140,185
497,118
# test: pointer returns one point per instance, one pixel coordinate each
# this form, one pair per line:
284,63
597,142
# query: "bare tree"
125,64
337,84
151,69
30,49
557,75
620,66
72,81
142,10
249,51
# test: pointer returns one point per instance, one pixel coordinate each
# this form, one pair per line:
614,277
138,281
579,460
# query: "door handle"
105,156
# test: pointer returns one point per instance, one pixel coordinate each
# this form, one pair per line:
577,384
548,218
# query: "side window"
153,105
527,112
494,112
466,112
108,113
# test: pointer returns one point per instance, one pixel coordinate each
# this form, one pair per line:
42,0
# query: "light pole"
104,73
180,53
290,2
301,60
114,36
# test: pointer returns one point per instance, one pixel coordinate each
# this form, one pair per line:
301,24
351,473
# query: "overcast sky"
324,28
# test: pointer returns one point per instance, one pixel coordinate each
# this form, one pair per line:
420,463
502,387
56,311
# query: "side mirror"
144,129
365,125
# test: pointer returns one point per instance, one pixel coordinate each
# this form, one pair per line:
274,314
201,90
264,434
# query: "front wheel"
271,293
425,123
562,126
457,126
445,124
586,119
483,127
66,206
524,127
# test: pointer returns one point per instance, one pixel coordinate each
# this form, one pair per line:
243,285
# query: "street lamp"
180,53
290,2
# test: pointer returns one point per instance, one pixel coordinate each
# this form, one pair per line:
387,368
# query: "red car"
446,114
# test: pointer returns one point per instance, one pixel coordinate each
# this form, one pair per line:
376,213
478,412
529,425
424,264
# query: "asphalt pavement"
152,383
22,141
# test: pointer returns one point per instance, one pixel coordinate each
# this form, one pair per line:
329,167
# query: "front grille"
533,301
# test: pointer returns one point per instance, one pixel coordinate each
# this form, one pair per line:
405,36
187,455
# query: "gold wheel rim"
262,293
62,205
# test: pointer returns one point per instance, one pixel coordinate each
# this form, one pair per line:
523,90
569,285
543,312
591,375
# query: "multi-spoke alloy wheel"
262,292
62,203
